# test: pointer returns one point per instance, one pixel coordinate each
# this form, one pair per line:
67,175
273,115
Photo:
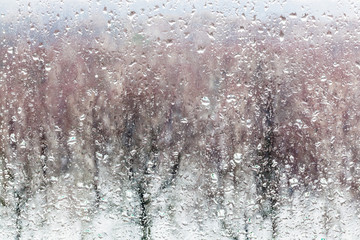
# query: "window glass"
179,119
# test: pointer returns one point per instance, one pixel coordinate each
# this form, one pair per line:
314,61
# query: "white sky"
260,8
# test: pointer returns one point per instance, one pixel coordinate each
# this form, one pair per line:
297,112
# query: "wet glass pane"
179,119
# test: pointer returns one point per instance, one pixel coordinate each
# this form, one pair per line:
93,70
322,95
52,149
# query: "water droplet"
293,15
132,15
10,50
48,67
184,120
12,137
201,50
293,182
248,123
133,152
221,213
205,101
214,177
323,182
71,140
357,64
99,156
281,34
237,157
230,98
23,144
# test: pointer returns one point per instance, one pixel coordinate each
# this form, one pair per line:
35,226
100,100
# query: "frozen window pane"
179,120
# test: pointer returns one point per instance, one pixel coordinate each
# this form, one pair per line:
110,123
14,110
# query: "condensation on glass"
179,119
